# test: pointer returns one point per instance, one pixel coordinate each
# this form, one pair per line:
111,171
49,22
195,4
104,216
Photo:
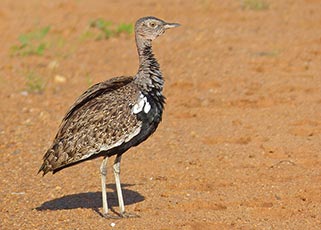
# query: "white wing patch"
141,105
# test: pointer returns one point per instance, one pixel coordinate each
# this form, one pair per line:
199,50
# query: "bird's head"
150,28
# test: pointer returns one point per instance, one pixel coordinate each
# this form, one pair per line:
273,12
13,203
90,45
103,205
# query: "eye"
152,24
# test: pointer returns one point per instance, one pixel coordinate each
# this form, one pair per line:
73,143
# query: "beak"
171,25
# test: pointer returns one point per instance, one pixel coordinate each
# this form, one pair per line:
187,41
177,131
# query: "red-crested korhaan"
114,115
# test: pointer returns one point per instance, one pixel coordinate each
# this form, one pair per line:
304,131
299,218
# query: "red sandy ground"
240,142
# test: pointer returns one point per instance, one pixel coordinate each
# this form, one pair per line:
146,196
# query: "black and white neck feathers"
149,76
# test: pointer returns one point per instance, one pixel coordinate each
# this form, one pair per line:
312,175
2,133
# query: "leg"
116,168
103,173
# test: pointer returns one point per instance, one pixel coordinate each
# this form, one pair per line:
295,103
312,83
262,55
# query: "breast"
147,109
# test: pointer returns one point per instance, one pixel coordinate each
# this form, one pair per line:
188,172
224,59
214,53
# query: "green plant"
31,43
103,26
87,35
255,4
34,83
124,28
89,80
108,29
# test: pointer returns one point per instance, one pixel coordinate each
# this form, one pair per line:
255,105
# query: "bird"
114,115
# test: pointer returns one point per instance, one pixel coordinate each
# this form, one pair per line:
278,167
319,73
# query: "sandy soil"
240,142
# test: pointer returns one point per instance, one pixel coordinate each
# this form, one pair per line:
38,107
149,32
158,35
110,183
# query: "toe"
129,215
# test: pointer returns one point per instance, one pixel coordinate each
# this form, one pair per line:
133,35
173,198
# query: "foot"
128,215
111,216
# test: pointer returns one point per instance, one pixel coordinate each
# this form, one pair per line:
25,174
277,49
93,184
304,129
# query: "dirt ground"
240,142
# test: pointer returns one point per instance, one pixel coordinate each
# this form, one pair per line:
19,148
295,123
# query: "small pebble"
53,65
24,93
112,225
18,193
59,79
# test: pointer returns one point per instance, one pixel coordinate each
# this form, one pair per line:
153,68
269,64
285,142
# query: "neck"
149,76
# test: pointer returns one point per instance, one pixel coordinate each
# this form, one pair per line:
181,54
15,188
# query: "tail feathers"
46,166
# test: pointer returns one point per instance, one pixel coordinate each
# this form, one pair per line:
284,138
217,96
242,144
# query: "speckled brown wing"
97,89
100,120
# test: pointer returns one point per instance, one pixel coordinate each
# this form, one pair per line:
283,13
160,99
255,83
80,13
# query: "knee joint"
116,168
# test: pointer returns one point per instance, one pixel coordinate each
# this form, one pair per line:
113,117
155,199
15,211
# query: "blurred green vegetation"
108,29
31,43
255,5
34,83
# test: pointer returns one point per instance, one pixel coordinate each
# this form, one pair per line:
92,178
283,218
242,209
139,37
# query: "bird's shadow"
92,200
